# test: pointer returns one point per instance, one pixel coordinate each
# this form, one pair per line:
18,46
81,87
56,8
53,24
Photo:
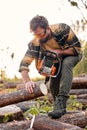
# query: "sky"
14,27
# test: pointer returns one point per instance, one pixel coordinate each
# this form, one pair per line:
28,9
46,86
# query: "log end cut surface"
10,112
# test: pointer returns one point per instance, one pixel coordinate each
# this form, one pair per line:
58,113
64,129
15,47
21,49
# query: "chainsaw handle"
58,68
50,54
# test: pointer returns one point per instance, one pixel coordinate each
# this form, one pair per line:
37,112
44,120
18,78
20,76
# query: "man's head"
40,27
38,21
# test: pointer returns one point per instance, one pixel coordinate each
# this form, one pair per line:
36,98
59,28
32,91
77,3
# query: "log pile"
70,121
40,123
22,95
77,83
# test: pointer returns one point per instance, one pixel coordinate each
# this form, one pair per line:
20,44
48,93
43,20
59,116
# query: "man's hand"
29,86
61,52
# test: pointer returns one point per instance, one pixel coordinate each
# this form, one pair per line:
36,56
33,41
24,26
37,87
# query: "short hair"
38,21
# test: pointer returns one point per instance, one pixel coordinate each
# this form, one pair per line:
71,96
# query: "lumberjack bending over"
52,46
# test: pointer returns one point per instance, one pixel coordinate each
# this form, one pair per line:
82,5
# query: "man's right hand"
30,86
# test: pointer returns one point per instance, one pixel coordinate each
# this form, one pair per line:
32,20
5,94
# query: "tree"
82,7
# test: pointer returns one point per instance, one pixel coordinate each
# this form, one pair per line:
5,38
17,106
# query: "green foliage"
73,3
34,111
85,128
81,67
74,104
43,107
76,3
6,118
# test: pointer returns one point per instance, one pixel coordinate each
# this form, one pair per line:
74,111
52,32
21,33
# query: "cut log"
45,123
78,91
79,83
83,101
22,95
10,84
40,123
82,96
15,125
20,86
9,113
24,106
75,118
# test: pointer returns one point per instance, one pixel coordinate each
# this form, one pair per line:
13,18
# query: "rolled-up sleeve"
27,59
33,52
24,65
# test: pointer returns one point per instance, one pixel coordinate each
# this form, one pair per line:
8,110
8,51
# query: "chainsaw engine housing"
47,67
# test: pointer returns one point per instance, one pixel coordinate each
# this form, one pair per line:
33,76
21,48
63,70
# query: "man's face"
42,33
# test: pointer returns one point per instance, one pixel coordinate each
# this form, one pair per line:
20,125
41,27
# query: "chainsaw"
47,67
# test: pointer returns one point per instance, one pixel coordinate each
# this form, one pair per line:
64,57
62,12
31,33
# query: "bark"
21,95
83,101
9,113
78,91
10,84
40,123
82,96
24,106
15,125
75,118
45,123
79,82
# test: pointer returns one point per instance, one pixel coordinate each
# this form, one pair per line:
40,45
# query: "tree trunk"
40,123
22,95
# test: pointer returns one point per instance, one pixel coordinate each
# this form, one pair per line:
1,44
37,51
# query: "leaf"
34,111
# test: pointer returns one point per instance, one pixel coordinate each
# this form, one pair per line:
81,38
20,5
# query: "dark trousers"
61,84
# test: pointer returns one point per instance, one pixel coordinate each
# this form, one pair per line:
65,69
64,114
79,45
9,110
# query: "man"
61,40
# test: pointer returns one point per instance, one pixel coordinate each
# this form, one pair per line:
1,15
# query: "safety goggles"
41,34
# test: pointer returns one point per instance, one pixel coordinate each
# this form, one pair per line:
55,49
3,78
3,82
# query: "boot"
59,107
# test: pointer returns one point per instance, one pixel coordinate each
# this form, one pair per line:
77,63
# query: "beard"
44,40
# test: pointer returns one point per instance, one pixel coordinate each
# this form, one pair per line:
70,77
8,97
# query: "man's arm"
29,85
31,53
68,51
25,76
